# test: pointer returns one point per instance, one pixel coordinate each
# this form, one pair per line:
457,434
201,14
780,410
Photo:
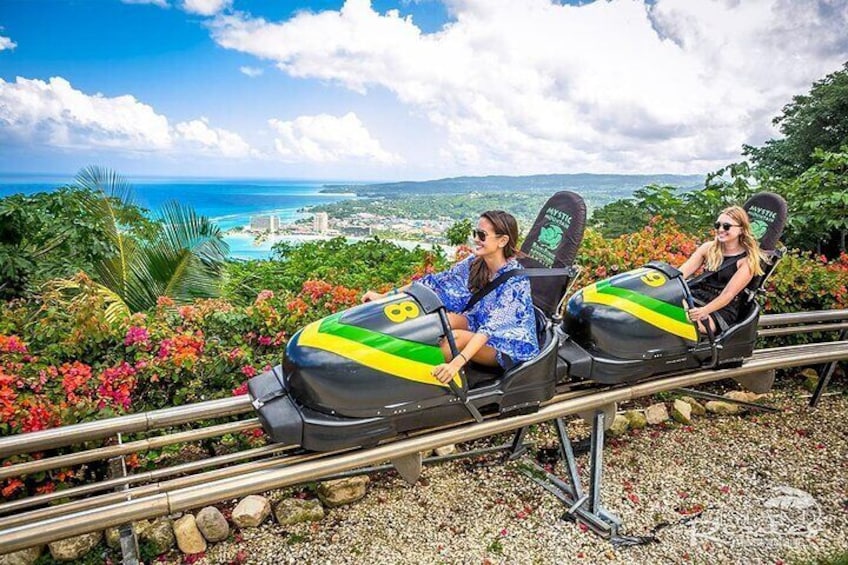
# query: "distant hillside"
611,186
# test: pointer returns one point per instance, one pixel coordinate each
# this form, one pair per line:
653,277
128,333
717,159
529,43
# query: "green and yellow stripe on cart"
665,316
398,357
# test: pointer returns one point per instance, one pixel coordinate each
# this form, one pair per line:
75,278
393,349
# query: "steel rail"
182,499
143,422
138,446
168,417
769,320
199,478
143,477
811,328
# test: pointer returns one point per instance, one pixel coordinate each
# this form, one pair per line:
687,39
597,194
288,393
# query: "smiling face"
488,243
728,231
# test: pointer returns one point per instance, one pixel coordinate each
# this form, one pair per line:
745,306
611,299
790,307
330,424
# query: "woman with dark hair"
730,260
499,329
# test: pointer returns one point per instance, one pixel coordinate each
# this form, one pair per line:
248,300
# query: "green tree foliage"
818,120
820,199
51,235
459,232
364,264
182,261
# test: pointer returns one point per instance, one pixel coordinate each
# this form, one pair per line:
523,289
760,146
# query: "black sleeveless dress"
712,283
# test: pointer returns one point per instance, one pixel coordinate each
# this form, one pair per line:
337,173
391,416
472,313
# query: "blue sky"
412,89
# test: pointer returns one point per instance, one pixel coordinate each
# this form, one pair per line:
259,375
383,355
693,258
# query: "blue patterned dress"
505,315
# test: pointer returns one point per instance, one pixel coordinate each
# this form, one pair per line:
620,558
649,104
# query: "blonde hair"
746,239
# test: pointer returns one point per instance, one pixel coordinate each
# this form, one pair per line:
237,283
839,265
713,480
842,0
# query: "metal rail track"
24,529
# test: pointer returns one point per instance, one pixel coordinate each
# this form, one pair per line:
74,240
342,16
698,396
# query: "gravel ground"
700,490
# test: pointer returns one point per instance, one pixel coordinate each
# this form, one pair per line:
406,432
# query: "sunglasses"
480,234
725,226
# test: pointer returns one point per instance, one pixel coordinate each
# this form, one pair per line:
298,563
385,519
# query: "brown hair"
746,239
504,224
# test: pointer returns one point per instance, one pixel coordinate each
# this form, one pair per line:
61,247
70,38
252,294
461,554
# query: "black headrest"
554,241
767,212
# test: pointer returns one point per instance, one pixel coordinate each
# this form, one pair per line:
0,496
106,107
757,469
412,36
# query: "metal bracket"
129,541
826,375
585,508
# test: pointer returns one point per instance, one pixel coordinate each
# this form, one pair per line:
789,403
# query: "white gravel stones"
251,511
703,488
189,538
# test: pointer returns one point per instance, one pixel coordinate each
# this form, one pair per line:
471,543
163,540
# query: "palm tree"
182,261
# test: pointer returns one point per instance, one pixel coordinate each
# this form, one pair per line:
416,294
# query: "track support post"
827,372
581,506
129,542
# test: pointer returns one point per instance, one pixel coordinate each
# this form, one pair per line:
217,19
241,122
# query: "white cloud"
160,3
205,7
325,139
252,72
533,85
214,140
55,114
7,43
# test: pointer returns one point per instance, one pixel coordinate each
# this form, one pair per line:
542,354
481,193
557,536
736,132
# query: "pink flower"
265,340
264,295
241,389
248,371
137,335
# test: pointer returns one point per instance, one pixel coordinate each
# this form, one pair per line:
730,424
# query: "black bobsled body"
363,375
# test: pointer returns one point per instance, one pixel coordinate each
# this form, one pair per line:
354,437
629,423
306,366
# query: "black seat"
767,212
553,242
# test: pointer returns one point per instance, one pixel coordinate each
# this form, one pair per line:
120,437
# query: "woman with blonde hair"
730,261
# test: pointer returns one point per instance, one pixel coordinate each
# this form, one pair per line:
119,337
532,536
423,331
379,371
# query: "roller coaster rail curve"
276,466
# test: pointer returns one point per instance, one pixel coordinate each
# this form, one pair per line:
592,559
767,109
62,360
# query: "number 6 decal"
401,311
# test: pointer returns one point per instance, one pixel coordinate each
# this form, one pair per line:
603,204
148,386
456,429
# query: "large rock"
212,524
723,408
619,426
449,449
71,549
656,414
697,408
681,412
113,535
743,396
296,510
342,491
189,538
160,534
811,379
251,511
26,556
636,419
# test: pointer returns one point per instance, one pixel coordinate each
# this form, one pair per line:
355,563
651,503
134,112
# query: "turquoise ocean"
228,202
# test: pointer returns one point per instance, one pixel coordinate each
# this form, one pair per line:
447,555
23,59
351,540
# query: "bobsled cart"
363,375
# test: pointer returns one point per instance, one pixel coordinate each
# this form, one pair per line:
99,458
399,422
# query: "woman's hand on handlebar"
371,295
